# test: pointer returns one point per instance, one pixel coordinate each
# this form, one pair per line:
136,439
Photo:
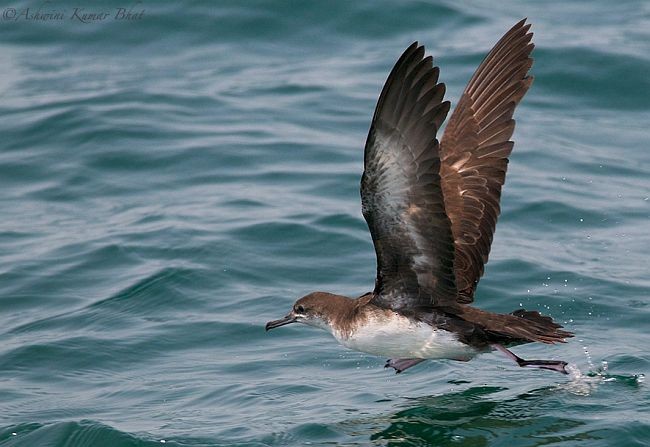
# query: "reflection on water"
480,415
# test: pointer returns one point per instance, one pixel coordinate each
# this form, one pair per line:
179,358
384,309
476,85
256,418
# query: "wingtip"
522,25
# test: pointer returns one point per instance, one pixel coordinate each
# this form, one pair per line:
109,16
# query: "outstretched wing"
474,152
400,189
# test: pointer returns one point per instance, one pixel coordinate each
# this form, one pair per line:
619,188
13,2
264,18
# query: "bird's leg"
401,364
552,365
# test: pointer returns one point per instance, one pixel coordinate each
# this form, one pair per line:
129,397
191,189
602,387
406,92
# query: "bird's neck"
347,314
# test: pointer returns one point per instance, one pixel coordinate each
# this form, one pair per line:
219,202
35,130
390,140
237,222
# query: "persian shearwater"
432,209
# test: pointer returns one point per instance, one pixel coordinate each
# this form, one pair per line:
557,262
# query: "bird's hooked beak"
288,319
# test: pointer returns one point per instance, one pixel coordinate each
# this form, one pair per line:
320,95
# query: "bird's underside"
477,335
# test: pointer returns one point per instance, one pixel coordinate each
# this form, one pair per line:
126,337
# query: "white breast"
399,337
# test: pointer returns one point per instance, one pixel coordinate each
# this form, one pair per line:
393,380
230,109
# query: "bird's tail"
519,326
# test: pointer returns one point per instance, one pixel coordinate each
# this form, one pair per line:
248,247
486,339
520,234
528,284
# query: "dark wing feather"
475,149
400,189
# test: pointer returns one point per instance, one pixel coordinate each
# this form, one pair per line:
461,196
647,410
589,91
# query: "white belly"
402,338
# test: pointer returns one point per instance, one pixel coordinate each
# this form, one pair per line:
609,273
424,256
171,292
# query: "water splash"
585,384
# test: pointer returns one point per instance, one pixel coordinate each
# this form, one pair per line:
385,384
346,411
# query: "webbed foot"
551,365
401,364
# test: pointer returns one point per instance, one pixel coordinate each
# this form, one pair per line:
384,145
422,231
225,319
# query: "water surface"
171,183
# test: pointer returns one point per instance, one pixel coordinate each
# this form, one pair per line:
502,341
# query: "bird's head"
317,309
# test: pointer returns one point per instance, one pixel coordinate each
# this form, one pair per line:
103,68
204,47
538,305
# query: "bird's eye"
299,309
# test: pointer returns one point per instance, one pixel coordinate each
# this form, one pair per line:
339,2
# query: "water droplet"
591,364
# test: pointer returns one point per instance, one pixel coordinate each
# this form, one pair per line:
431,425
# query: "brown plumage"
400,189
432,208
475,149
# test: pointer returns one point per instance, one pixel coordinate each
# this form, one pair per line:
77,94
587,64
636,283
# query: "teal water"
171,183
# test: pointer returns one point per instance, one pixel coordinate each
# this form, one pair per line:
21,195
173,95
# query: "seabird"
431,208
